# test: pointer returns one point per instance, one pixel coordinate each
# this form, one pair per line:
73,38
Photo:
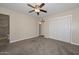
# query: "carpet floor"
39,46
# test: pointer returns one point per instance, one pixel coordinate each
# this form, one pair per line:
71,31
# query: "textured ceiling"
51,8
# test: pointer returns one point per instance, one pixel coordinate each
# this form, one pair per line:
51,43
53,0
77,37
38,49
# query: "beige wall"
74,24
21,26
24,27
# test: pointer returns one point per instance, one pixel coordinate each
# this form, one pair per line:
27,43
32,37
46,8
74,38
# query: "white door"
59,28
46,29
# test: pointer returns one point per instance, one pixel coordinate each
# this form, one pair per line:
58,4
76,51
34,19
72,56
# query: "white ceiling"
51,8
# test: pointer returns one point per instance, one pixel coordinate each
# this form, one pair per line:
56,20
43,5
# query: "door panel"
59,28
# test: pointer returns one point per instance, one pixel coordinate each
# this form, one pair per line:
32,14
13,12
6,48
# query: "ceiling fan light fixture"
37,10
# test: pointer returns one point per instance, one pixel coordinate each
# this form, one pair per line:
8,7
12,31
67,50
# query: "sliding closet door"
59,28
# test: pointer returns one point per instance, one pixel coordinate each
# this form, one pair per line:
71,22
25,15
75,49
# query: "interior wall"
21,26
74,24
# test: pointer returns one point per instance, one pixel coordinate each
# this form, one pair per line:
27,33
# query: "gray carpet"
39,46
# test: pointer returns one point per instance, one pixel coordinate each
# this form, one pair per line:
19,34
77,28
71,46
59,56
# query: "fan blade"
37,13
30,5
31,11
43,10
42,5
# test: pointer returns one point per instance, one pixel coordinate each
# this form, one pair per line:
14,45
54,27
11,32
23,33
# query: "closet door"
59,28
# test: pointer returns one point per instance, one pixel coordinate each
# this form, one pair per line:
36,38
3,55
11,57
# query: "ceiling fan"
37,8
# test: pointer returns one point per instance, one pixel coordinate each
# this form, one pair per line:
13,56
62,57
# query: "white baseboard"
45,37
74,43
64,41
23,39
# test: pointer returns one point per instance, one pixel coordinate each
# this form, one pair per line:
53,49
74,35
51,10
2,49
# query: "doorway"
4,29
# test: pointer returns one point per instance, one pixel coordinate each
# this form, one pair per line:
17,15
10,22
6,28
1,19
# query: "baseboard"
66,42
45,37
74,43
23,39
59,40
